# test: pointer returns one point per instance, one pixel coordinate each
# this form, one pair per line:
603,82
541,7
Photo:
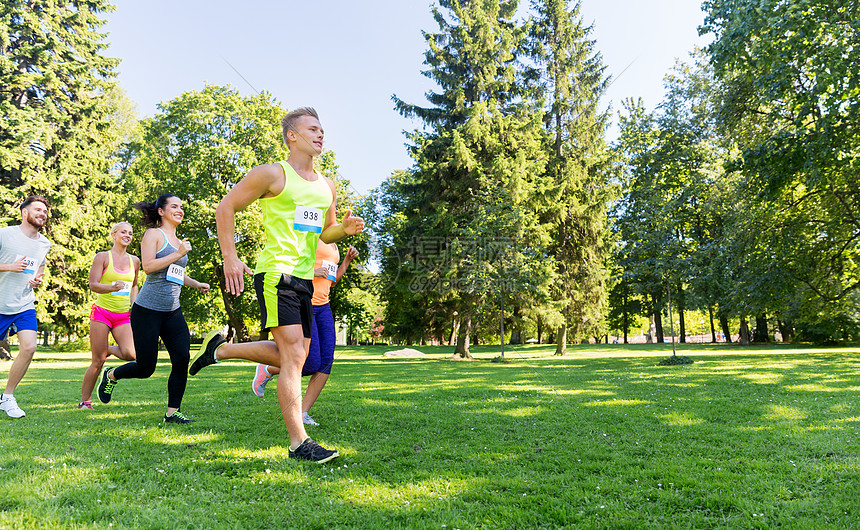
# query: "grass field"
600,438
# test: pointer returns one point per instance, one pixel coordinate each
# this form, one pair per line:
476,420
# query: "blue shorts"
11,324
321,355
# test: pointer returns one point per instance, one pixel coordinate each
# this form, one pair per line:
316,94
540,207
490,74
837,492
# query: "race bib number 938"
308,219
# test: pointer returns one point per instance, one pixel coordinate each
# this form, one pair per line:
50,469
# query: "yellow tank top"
117,301
292,221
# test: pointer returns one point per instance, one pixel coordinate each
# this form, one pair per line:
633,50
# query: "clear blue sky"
346,58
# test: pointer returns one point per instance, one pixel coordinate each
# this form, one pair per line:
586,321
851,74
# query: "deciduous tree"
197,146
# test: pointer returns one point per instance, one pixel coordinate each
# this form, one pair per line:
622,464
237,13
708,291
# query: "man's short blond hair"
289,121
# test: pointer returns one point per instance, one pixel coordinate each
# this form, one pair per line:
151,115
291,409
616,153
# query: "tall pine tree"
477,157
57,137
574,193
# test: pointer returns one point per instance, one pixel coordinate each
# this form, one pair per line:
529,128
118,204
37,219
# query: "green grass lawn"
600,438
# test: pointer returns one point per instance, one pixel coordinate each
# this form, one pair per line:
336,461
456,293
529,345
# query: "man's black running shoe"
206,354
310,450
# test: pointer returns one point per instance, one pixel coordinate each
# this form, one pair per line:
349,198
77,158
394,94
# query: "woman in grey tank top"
156,312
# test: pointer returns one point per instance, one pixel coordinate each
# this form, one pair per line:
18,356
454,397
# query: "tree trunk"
713,331
462,349
784,330
455,329
237,323
539,330
724,324
561,341
516,326
744,332
658,326
625,322
761,334
682,324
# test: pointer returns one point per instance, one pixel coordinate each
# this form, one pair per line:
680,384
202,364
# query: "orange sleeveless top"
325,253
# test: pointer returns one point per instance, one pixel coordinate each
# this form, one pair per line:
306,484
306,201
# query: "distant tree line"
741,194
737,196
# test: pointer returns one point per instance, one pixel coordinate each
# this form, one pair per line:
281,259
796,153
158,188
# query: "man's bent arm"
257,183
349,226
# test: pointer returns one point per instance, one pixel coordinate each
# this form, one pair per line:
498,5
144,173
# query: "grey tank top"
158,293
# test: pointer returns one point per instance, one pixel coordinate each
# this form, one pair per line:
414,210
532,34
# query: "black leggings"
146,326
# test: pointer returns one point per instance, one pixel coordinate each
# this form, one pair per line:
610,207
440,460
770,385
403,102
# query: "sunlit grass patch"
737,439
814,387
681,419
417,494
766,378
582,392
524,412
782,412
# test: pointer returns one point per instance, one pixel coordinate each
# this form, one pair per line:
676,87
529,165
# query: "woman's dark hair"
150,209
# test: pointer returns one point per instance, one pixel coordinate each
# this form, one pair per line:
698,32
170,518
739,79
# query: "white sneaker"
10,405
306,418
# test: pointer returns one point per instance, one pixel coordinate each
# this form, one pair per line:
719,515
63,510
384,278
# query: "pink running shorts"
109,318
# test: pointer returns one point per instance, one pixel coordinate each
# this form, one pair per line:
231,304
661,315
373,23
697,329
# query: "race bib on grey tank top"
160,291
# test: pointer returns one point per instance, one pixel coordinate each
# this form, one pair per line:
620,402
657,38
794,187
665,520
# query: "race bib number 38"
30,267
308,219
176,274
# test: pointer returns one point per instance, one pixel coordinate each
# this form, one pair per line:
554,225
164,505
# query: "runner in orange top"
321,353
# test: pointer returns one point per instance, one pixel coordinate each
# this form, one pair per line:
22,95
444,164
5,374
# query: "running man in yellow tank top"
299,208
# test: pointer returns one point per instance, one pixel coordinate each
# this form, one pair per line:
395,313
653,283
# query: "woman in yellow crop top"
113,276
